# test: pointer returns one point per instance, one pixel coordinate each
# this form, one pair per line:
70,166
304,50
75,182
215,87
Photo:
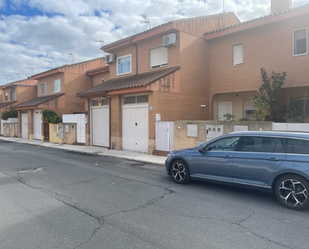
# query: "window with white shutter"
158,57
237,54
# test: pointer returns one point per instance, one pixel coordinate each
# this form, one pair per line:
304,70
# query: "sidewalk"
131,155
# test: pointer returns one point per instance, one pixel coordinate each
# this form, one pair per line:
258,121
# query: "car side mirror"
201,147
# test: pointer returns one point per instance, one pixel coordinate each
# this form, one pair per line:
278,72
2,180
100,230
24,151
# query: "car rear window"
297,146
262,144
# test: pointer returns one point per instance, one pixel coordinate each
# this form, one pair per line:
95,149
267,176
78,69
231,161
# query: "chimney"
280,5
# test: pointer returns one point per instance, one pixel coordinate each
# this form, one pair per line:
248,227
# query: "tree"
9,114
267,101
51,117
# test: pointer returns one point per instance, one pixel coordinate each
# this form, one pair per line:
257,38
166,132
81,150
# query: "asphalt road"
51,199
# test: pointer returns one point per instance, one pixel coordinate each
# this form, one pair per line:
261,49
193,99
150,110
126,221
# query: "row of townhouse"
54,90
191,69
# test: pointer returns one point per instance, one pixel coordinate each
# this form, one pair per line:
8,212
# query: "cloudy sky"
36,35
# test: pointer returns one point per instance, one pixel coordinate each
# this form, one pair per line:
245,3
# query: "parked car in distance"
271,161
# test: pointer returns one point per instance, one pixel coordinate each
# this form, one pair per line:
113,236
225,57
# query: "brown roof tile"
139,80
6,103
98,70
38,100
259,18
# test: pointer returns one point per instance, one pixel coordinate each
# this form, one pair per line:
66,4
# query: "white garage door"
24,125
37,124
100,126
135,127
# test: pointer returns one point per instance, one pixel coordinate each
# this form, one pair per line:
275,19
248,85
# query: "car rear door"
256,159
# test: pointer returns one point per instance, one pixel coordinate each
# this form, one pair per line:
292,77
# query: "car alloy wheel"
179,171
292,192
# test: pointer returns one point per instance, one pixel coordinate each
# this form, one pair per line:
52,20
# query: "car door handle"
227,157
272,159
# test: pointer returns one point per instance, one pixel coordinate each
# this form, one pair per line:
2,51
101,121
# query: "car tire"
292,192
179,171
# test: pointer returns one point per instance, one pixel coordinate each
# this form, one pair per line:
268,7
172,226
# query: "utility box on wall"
191,130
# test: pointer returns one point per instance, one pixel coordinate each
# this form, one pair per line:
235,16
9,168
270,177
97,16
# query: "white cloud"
57,28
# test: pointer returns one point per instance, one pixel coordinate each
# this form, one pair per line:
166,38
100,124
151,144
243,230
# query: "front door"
24,125
80,129
224,107
37,124
100,126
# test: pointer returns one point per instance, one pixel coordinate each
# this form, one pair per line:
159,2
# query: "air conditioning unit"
169,40
110,58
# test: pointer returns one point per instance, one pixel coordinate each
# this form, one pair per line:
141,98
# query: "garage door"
135,128
100,126
37,124
24,125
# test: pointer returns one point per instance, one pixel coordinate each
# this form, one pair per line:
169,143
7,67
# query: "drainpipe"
110,122
136,57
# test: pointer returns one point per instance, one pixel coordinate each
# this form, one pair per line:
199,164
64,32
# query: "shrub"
51,117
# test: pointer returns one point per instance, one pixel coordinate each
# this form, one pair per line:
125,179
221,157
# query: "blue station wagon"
271,161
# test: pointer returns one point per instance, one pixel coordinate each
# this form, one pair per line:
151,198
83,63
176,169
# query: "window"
99,102
300,107
124,65
297,146
300,41
13,94
135,99
43,88
57,86
158,57
249,109
224,144
238,54
6,97
262,144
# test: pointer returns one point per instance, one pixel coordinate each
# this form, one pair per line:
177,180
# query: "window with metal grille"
249,109
300,107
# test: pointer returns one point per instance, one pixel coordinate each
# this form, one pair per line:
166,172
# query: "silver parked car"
272,161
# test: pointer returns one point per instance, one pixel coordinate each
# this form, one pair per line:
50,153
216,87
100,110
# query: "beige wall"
181,140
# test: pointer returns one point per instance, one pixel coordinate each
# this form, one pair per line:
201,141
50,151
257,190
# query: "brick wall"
270,47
